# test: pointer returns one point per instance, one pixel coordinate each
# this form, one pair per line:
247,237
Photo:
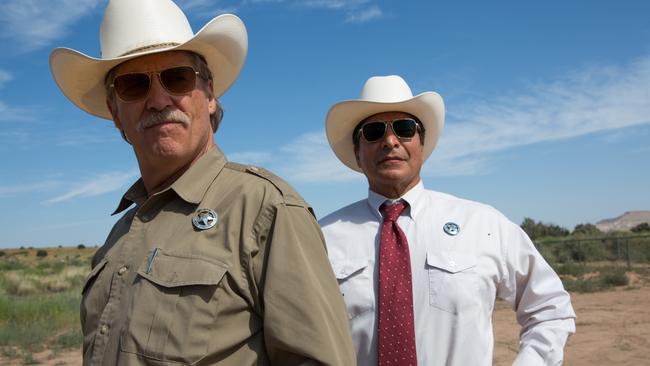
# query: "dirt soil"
613,328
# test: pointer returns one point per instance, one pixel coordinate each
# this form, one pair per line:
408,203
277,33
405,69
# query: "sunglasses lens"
130,87
373,131
178,80
405,128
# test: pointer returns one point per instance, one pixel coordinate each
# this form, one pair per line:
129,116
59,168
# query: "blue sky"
548,105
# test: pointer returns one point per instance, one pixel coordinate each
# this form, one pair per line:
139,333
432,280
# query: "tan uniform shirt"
255,289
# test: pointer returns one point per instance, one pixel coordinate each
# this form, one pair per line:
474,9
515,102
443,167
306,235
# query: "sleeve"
305,321
536,293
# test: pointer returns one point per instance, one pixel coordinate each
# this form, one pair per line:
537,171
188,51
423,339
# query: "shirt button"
122,270
103,329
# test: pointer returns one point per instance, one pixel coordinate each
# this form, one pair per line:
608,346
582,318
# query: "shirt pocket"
453,282
354,277
173,308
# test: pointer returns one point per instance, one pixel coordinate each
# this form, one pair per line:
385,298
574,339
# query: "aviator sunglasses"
135,86
402,128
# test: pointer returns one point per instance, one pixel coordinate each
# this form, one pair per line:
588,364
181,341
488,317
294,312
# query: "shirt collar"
412,197
191,186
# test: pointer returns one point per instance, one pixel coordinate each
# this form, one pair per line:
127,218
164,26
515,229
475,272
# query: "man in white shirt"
420,285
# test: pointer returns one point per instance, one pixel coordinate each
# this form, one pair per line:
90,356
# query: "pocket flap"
451,261
93,273
171,270
345,268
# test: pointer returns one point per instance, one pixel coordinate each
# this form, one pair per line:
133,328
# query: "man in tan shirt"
217,263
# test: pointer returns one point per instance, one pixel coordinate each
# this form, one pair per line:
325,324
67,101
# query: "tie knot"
392,212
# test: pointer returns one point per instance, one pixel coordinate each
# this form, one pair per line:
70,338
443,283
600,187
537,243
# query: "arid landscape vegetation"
608,277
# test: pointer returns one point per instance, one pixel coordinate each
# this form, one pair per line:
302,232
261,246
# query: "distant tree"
644,226
528,225
537,230
41,253
586,229
60,246
2,253
81,246
22,247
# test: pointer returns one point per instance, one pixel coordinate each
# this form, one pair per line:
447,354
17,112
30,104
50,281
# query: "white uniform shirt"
456,279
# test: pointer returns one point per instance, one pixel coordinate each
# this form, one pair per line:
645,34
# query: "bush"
586,230
81,246
537,230
644,226
2,253
41,253
571,269
580,285
72,339
613,277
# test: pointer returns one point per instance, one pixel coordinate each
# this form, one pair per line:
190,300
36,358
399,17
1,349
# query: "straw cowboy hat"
135,28
383,94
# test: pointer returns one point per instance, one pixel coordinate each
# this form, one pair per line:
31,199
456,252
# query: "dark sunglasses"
404,128
136,85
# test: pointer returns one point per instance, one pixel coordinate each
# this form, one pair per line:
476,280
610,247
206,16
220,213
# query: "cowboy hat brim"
223,42
343,117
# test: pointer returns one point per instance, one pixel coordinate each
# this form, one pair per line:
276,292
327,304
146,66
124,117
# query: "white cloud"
36,23
251,157
9,113
207,8
5,77
10,191
309,158
356,11
98,185
364,15
594,100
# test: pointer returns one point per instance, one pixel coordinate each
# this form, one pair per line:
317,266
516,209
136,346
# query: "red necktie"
396,341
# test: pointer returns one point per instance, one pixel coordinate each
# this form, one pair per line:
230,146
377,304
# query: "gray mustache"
165,115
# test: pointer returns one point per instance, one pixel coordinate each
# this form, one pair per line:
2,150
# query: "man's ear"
212,101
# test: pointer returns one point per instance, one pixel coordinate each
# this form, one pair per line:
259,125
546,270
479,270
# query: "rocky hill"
626,221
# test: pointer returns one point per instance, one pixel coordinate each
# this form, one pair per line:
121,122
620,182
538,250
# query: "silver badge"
205,218
451,228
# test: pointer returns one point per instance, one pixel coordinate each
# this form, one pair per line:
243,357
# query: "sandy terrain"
613,328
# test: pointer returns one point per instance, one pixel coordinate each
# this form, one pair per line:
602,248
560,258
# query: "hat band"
151,47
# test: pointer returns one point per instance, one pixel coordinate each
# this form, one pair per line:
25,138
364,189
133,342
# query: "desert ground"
613,328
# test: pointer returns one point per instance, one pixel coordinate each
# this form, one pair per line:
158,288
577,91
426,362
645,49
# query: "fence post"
627,253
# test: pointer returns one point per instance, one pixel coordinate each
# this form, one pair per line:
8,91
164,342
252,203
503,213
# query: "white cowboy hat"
135,28
383,94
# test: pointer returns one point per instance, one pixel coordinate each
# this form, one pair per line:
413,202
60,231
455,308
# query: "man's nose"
158,98
390,139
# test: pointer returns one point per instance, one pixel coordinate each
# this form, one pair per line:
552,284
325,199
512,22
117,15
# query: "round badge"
205,218
451,228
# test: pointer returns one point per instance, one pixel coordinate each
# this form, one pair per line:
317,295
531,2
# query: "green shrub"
644,226
28,322
81,246
571,269
72,339
41,253
2,253
613,277
580,285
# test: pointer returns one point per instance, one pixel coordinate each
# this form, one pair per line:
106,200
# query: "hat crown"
132,27
385,89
